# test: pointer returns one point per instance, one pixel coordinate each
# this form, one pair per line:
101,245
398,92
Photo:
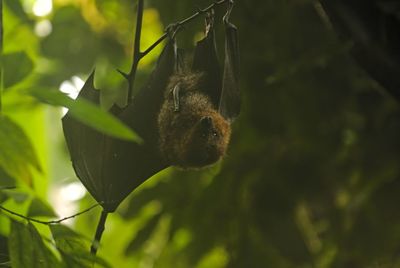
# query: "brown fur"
197,135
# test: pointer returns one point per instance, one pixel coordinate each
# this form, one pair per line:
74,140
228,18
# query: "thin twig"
136,49
99,232
48,222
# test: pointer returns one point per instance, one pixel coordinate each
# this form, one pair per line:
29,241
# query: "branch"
182,23
99,232
137,55
48,222
136,50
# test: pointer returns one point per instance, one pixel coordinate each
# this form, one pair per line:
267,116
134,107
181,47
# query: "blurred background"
312,176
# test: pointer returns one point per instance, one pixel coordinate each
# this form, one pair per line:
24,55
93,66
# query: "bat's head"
196,134
207,141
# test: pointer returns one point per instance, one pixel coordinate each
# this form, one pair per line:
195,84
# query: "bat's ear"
206,61
229,105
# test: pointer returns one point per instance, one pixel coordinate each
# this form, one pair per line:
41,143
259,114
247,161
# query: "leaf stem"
48,222
99,232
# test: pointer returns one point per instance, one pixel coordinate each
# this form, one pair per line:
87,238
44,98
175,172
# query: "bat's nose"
206,122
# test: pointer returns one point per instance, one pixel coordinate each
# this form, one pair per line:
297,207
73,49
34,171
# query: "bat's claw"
175,93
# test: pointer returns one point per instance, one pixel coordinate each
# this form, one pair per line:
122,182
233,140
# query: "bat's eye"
215,133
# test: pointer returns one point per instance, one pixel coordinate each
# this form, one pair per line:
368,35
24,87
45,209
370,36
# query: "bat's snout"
206,122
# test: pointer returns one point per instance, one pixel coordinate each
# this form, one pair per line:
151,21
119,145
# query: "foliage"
311,178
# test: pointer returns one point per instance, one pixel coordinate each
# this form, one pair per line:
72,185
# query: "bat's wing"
229,105
373,27
222,88
206,60
80,140
110,168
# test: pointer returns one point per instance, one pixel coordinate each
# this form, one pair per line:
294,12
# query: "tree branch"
137,55
99,232
136,50
182,23
47,222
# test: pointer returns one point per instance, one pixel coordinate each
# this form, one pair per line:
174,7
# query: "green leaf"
88,113
17,8
40,208
3,197
17,66
18,197
9,192
16,151
6,181
143,235
66,239
20,248
27,248
72,248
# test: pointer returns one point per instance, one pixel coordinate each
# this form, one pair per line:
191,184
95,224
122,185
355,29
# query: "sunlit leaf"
16,151
88,114
17,8
73,249
40,208
27,248
17,66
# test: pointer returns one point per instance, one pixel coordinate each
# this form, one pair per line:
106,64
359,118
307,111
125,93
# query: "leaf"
27,248
72,248
20,248
17,8
17,66
18,197
6,181
40,208
16,151
143,235
66,239
3,197
88,113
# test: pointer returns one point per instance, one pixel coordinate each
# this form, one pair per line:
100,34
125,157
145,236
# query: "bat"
194,122
192,133
111,168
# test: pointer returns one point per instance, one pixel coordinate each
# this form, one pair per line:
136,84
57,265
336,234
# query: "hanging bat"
191,131
194,121
110,168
